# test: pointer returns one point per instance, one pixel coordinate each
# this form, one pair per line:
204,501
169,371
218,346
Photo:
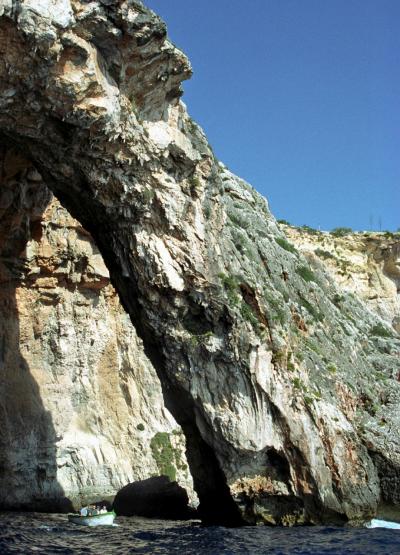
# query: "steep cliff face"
367,264
82,409
285,387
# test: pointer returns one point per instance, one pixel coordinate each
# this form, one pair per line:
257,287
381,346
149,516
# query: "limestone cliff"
285,386
367,264
82,413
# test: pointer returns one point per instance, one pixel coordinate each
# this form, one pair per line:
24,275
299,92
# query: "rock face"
286,387
81,404
367,264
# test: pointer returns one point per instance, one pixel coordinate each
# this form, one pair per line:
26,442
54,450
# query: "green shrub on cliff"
341,231
311,309
284,244
306,273
379,330
148,195
309,229
164,455
248,314
324,254
239,219
332,368
231,286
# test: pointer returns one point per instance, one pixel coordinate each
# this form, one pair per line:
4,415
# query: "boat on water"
100,519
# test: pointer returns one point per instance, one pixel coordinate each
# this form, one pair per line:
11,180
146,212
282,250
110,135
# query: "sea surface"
44,534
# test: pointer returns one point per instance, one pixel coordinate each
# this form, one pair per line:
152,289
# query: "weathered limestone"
367,264
81,404
285,387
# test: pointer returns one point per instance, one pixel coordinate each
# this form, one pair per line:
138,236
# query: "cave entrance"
24,199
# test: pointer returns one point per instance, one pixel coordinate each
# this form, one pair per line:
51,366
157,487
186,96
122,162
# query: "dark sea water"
51,534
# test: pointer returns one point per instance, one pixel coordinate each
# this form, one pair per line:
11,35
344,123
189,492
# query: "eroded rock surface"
81,405
367,264
286,392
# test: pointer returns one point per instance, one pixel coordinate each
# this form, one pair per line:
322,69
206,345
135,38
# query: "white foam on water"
377,523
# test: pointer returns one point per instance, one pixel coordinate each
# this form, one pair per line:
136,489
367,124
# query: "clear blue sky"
300,98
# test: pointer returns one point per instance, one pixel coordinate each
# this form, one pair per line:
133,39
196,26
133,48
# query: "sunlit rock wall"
81,406
367,264
285,386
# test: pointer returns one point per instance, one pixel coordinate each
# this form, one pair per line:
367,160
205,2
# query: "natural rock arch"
85,90
90,92
81,405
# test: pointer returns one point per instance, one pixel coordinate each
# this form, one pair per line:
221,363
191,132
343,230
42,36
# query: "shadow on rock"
28,439
156,497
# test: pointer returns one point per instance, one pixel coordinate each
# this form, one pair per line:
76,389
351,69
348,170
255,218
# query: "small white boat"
101,519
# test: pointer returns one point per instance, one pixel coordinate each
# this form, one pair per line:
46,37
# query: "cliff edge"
285,387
